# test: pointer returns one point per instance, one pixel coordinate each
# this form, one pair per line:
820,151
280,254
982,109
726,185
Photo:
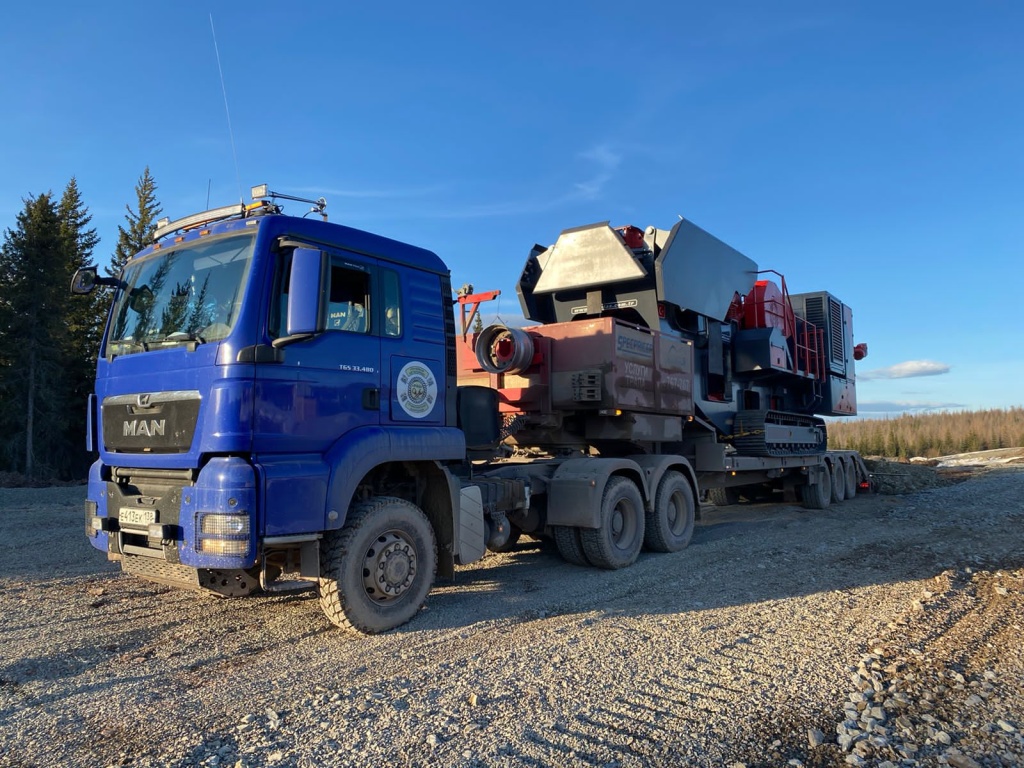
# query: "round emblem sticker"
417,389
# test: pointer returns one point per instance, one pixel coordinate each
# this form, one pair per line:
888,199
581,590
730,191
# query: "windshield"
188,294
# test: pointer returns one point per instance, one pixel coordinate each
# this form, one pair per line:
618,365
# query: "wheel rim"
674,513
389,566
623,524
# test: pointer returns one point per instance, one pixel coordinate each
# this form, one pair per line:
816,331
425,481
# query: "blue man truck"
283,403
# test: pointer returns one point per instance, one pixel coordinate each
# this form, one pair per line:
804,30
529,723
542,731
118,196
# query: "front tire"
376,571
669,525
616,544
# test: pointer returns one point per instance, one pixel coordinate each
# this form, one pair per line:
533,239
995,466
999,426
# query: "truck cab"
262,376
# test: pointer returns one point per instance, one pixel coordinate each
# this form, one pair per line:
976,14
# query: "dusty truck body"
285,403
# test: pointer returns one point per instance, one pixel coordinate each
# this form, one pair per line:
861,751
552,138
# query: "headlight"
225,525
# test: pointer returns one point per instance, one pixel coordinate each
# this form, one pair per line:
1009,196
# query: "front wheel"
376,571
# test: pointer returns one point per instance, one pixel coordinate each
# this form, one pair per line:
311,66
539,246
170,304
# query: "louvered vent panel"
837,354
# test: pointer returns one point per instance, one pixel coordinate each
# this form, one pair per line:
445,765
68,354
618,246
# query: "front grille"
157,422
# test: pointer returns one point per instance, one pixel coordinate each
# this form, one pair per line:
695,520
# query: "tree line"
931,434
49,340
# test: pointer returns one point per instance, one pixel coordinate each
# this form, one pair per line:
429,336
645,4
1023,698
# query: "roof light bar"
195,219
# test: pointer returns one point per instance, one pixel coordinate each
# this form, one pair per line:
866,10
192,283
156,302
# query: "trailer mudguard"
577,487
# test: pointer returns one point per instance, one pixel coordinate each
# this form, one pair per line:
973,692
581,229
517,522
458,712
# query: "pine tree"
478,323
141,224
34,412
85,320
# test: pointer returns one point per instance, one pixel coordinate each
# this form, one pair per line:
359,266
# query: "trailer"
284,403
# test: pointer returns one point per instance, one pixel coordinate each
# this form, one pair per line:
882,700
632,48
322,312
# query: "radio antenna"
224,90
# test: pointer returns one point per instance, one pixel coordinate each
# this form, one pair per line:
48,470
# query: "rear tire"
376,571
669,525
818,496
616,543
838,482
723,497
851,479
570,547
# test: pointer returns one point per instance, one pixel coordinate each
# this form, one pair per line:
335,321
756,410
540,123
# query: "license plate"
136,518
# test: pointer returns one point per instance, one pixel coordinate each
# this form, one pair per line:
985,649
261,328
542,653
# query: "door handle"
371,399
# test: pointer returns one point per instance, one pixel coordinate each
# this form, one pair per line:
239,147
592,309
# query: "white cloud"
607,161
906,370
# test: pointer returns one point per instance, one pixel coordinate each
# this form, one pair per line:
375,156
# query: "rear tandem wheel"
669,525
616,543
819,495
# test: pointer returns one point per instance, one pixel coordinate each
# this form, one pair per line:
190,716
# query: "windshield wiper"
127,347
184,336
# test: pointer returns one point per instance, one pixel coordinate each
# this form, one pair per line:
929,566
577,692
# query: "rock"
433,740
815,738
974,700
1008,727
943,738
276,757
473,700
957,760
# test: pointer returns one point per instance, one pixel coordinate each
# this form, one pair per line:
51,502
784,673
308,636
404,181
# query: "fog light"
225,525
224,546
96,524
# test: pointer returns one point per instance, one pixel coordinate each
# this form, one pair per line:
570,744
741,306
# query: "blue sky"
875,149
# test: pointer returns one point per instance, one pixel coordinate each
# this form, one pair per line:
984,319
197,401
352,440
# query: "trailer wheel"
851,479
838,481
616,544
723,497
376,571
567,539
669,526
818,496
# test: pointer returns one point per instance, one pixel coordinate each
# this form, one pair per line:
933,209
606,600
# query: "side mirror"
84,281
306,283
140,299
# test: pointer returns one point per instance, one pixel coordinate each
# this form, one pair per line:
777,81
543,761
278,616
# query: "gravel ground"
884,631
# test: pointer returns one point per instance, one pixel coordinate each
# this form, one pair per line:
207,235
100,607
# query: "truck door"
412,347
329,384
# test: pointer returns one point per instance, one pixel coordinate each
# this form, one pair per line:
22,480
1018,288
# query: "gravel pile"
891,477
779,637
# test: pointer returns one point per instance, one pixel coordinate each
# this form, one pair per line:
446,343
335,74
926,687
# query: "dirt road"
882,631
